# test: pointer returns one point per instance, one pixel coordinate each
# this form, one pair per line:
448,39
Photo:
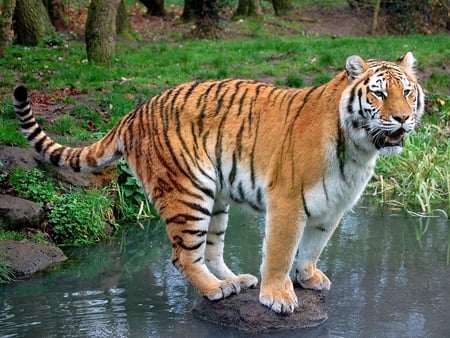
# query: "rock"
245,313
27,258
18,213
27,159
16,157
99,178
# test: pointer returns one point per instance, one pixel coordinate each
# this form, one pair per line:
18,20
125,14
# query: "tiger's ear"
354,66
408,62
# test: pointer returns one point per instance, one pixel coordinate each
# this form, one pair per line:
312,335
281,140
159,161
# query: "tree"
249,8
55,10
206,17
101,30
5,23
31,22
123,26
281,7
154,7
188,10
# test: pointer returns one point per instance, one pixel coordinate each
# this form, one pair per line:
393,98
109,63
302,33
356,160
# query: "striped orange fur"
301,156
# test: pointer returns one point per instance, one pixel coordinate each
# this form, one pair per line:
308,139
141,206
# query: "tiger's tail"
83,159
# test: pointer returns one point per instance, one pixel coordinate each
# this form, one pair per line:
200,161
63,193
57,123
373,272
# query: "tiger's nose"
400,118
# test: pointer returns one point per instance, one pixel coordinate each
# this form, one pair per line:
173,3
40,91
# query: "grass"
418,179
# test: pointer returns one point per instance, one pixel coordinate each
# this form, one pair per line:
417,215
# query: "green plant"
33,184
418,179
6,274
11,235
132,202
82,217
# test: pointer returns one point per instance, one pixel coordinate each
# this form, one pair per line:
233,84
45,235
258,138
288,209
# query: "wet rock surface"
17,213
27,258
245,313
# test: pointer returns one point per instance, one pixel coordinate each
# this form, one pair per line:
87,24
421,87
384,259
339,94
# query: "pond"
390,274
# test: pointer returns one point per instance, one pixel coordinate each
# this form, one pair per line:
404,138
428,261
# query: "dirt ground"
320,21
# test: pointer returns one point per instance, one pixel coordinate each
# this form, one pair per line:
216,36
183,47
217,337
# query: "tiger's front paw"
280,298
314,279
247,281
223,290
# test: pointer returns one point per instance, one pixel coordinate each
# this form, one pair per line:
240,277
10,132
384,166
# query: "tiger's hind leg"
215,243
187,221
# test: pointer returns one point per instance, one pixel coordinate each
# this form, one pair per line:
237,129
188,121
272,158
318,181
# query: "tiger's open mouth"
393,139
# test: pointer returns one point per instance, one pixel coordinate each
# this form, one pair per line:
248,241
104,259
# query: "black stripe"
55,156
189,93
35,133
178,241
183,219
30,117
219,212
75,155
290,102
198,233
47,146
350,100
38,144
340,151
305,207
24,113
20,105
232,175
239,141
241,101
237,86
259,196
27,125
197,260
325,188
197,207
241,191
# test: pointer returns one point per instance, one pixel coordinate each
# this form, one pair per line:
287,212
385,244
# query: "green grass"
141,70
418,179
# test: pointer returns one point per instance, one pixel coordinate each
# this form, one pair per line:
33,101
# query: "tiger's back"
302,156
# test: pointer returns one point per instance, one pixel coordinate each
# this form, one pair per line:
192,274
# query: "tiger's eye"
379,94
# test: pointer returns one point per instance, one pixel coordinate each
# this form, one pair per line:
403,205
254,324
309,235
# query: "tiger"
302,156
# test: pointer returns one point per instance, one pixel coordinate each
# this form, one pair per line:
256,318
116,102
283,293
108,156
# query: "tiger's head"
382,103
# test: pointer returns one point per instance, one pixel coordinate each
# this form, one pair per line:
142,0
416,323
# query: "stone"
18,213
16,157
27,159
27,258
99,178
245,313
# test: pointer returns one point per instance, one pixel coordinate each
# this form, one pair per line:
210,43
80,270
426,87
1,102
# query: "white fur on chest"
339,189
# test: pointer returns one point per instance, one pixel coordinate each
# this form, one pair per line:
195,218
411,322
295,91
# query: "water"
390,274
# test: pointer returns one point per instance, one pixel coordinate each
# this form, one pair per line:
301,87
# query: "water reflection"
390,279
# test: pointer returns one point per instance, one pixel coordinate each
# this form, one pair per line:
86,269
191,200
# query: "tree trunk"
5,23
249,8
189,10
31,22
206,18
101,30
123,26
154,7
282,7
55,10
